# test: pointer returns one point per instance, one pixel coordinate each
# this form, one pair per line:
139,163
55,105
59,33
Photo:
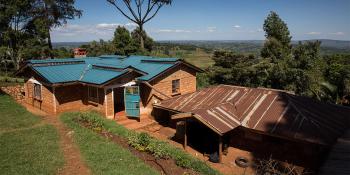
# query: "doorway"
118,99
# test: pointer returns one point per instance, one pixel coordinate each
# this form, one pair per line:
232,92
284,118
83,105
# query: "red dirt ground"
73,161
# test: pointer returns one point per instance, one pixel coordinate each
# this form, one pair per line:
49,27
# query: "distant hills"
328,46
340,44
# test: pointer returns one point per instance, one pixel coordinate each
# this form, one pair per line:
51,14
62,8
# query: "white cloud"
102,30
211,29
337,33
173,31
107,26
313,33
130,26
237,26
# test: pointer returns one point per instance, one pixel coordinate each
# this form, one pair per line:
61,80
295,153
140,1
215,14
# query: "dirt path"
73,161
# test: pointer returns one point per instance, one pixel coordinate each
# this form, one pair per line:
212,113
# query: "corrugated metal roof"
54,60
82,69
100,76
61,73
338,160
276,112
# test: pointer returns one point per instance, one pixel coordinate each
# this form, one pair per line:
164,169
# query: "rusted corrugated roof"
225,107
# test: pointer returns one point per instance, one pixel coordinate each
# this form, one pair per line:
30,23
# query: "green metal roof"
98,70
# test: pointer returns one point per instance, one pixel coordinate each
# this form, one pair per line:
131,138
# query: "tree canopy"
25,26
300,69
139,12
278,39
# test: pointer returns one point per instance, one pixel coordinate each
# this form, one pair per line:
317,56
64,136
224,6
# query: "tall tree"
137,34
122,41
53,13
139,11
277,45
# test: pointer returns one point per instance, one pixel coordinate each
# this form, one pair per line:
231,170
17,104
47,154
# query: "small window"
132,90
37,91
175,86
93,96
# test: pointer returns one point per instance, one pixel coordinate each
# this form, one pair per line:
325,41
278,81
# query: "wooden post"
185,136
220,149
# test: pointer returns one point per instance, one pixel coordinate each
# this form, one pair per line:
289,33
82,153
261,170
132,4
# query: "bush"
183,161
158,149
138,141
144,142
94,121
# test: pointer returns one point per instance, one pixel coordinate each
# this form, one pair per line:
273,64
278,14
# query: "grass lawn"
14,116
103,156
100,153
26,149
200,59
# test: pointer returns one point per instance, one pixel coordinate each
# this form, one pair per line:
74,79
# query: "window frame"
175,87
37,91
92,98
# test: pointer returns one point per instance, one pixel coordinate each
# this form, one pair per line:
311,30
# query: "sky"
214,20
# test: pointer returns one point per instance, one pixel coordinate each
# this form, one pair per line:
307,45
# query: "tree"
53,13
278,38
139,11
137,34
122,41
15,17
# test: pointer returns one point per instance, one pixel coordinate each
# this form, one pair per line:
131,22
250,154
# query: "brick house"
107,84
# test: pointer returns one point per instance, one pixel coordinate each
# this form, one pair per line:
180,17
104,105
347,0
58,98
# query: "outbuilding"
267,122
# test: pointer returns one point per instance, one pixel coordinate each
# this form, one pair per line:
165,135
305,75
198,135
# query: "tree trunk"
142,45
48,30
49,43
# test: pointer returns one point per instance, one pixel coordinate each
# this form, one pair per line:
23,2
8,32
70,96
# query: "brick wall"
45,103
55,100
75,97
109,104
163,83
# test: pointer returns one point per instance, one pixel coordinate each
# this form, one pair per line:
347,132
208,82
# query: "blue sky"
214,20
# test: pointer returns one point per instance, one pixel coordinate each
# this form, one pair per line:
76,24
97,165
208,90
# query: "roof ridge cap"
84,71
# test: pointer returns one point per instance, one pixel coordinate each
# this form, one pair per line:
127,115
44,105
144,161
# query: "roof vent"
160,60
56,62
112,57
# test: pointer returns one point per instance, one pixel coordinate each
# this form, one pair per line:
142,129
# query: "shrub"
183,161
94,121
137,141
158,149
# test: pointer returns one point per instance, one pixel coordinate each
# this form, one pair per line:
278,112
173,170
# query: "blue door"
132,101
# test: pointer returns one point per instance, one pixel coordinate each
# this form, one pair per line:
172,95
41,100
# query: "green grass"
13,116
103,156
182,158
197,57
27,149
200,59
33,151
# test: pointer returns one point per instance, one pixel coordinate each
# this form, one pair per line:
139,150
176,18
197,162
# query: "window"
133,90
175,86
37,91
93,96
